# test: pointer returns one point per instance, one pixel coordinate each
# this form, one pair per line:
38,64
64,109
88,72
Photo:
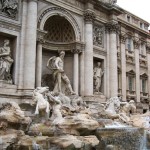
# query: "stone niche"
12,45
96,60
47,78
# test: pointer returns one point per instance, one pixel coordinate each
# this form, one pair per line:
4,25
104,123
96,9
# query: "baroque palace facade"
89,31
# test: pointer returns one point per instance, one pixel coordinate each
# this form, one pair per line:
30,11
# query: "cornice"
133,27
10,25
99,51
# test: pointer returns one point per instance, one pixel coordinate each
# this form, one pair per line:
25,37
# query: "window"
129,44
146,26
141,25
128,18
142,49
144,85
144,78
130,83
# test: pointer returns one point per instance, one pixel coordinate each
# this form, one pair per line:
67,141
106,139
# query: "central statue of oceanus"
61,81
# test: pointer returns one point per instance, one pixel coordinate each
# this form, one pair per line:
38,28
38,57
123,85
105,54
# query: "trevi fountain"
61,87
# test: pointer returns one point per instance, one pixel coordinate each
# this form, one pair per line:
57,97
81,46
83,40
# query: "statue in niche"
61,81
98,73
10,7
5,62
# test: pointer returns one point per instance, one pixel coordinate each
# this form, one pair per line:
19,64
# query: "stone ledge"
95,98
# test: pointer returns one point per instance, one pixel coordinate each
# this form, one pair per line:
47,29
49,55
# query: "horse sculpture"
112,108
41,102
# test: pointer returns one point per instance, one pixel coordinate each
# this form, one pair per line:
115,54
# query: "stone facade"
38,30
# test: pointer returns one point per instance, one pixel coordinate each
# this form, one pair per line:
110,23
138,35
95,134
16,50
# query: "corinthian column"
76,70
137,68
88,88
30,46
112,28
123,66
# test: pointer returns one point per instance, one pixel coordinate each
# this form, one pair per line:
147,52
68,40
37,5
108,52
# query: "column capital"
77,47
40,41
143,41
136,43
76,51
123,38
89,16
40,36
112,27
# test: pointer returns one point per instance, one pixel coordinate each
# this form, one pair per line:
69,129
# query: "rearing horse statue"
42,103
112,108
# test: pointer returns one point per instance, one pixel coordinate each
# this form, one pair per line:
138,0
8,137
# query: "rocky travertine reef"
66,123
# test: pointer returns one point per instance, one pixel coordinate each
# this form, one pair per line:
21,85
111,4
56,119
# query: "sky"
140,8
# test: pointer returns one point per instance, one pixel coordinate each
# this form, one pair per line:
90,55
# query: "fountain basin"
127,138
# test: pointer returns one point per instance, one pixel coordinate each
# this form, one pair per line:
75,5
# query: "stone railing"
129,55
144,94
131,93
119,92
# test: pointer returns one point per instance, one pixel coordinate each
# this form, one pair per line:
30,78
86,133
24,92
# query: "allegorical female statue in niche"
98,73
5,62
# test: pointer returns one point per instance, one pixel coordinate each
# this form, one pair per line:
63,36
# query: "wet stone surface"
120,138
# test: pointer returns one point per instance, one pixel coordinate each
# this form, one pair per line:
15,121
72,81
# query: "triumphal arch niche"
58,31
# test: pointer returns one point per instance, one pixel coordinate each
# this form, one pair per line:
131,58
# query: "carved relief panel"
98,35
9,8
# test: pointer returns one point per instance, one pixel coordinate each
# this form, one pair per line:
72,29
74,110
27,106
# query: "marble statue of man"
98,73
5,61
56,64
